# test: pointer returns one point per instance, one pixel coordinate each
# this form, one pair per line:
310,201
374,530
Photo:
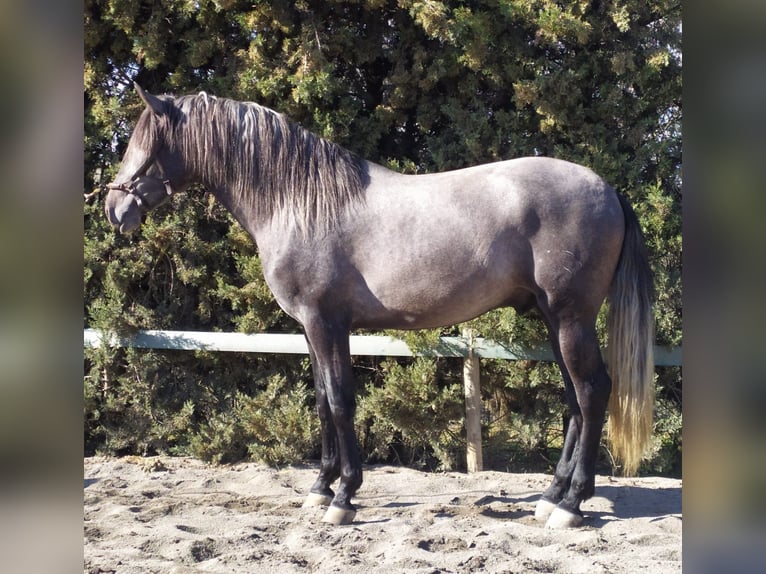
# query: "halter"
131,187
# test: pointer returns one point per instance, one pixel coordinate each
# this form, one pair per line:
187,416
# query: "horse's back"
540,203
542,185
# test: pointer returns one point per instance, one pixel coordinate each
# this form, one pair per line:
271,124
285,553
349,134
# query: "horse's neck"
260,227
241,213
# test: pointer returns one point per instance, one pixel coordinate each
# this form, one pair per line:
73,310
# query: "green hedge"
417,86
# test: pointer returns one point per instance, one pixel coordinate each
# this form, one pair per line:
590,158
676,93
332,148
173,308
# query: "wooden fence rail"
467,347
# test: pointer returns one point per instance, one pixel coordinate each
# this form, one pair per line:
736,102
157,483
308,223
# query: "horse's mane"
272,165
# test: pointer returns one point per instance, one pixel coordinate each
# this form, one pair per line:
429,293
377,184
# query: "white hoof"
314,499
543,509
561,518
339,516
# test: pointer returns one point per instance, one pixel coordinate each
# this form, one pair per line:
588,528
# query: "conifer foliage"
420,86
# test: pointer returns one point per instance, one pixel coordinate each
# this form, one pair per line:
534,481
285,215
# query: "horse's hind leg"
583,369
562,476
329,470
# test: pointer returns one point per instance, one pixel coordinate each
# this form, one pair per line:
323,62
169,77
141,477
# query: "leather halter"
131,187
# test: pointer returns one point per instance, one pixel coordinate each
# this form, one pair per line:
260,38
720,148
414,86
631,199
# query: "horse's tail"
630,353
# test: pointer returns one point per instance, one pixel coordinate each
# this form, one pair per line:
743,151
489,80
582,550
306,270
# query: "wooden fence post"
472,391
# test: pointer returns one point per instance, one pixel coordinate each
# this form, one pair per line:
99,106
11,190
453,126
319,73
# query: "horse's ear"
152,102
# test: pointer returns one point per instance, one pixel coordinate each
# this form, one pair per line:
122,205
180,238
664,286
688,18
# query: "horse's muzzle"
123,212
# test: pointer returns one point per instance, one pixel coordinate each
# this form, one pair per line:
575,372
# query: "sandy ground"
177,515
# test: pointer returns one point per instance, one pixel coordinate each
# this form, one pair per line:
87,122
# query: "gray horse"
345,243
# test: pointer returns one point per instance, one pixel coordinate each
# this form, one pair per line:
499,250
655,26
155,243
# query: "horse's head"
149,173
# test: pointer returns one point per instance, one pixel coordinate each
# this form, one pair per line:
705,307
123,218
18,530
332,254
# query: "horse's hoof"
315,499
561,518
543,509
339,516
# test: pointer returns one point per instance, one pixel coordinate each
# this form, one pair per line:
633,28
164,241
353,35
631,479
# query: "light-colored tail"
630,352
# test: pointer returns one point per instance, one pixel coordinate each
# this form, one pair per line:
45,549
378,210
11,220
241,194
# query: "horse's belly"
435,300
441,275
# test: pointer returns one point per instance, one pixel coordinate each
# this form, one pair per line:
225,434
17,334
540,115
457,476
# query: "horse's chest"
305,278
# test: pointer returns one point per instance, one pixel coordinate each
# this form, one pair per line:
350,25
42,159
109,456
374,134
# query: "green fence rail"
376,345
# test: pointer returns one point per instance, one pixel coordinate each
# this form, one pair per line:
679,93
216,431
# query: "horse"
346,243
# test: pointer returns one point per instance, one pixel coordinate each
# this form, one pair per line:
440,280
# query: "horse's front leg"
336,403
321,494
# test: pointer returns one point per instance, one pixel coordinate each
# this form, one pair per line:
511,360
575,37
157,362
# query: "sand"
178,515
